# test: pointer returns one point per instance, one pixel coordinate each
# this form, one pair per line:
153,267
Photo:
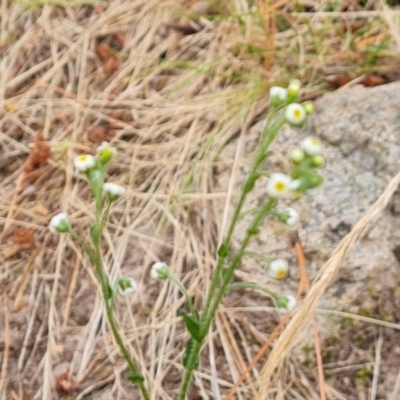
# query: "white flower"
277,92
159,270
126,286
293,216
278,269
295,114
312,146
279,185
289,303
84,162
59,223
114,190
105,152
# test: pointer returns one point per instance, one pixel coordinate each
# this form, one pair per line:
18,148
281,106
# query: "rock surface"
360,130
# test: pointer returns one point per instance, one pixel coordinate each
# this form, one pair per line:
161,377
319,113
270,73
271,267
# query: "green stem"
184,292
267,136
189,370
209,314
224,277
251,285
108,296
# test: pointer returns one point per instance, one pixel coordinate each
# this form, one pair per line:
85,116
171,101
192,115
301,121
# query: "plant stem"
106,289
223,278
267,136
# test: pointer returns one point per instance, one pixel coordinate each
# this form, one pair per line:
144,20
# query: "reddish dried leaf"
99,133
112,65
104,52
111,60
23,236
342,80
39,155
63,384
373,80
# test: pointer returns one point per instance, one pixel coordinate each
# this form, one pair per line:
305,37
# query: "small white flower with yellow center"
126,286
59,223
84,162
278,269
105,152
312,146
279,185
295,114
278,93
285,304
159,270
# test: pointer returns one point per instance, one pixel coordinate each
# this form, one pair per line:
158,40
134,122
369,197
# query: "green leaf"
253,231
134,377
192,325
223,250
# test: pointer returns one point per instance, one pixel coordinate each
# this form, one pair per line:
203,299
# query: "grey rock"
360,130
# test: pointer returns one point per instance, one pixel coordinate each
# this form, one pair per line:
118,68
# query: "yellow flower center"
83,158
280,187
281,274
315,142
297,113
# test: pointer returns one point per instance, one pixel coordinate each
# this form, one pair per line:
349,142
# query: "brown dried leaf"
373,80
111,60
99,133
185,29
39,155
23,236
112,65
63,384
340,81
104,52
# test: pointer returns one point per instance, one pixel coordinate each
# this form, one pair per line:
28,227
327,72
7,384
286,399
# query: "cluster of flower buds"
93,167
295,113
302,177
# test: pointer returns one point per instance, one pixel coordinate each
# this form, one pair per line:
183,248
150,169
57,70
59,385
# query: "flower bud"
297,156
113,191
277,95
289,216
309,107
312,146
278,269
285,304
59,223
105,153
126,286
294,88
159,270
317,161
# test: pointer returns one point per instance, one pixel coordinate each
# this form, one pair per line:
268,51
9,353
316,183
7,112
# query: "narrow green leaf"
192,325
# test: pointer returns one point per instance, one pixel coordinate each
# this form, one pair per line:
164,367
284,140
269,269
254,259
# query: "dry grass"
169,101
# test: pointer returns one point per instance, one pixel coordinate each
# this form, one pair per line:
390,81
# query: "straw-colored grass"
127,71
